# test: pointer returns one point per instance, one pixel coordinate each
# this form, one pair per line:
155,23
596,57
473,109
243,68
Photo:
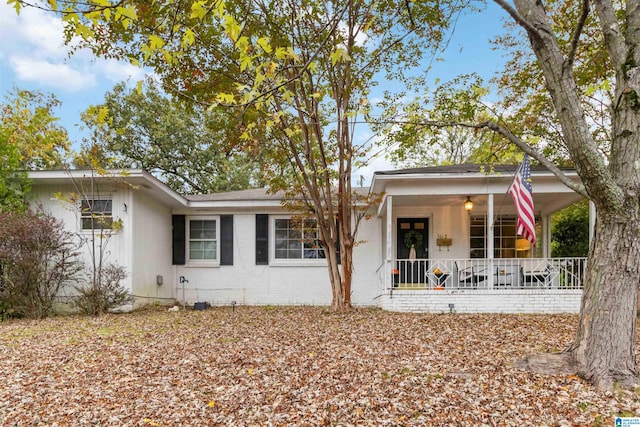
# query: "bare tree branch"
520,20
495,127
578,31
613,36
633,27
578,188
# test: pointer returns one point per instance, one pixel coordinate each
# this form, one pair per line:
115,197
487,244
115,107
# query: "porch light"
522,245
468,204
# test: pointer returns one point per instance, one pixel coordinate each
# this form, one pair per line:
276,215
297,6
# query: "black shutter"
226,239
179,239
262,239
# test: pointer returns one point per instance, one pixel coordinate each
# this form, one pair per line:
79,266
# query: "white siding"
450,220
367,257
118,247
251,284
150,235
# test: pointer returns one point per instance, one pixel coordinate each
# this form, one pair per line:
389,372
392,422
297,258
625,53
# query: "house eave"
136,178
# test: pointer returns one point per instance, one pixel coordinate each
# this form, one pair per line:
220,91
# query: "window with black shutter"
262,239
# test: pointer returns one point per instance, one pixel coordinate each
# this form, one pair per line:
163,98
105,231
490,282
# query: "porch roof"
467,168
452,184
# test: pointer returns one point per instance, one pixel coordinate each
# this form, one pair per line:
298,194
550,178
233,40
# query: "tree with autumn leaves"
301,72
297,74
30,138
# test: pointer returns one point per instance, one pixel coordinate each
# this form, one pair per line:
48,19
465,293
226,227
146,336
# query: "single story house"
441,239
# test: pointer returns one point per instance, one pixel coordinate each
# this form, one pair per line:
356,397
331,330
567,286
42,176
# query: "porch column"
389,228
388,264
490,226
546,236
490,245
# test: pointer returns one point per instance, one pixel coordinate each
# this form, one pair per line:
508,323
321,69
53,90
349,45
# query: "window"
203,240
297,239
504,236
96,214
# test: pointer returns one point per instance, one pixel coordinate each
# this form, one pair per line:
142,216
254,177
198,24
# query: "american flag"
523,199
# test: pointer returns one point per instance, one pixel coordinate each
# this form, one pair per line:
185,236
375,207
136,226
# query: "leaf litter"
293,366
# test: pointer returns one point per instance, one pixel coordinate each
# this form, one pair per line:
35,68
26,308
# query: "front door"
412,233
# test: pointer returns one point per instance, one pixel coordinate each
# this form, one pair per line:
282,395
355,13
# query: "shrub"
37,259
104,292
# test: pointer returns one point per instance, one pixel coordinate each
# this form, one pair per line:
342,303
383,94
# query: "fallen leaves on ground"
293,366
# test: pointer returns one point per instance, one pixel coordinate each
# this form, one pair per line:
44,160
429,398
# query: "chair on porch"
470,274
537,272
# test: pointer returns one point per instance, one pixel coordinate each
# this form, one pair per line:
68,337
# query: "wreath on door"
413,239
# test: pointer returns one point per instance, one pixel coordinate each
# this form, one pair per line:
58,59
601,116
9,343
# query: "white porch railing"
501,273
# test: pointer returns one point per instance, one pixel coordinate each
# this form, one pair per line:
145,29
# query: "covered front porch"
442,253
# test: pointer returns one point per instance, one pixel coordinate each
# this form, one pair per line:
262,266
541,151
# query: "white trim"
201,263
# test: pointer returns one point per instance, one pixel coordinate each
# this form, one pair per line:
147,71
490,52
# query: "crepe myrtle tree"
298,72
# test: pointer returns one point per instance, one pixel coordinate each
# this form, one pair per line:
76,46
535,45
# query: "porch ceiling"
545,204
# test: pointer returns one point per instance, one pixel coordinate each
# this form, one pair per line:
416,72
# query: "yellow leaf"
211,404
311,354
245,61
69,17
264,44
250,371
221,9
335,56
155,42
127,12
225,98
16,5
232,27
281,53
167,56
103,112
189,37
198,10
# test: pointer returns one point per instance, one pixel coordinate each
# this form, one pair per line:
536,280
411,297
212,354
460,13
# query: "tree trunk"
603,351
341,299
604,347
340,273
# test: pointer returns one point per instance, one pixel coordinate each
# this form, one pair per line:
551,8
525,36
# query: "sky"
33,57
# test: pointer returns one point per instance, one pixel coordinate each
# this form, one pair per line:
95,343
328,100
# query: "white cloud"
378,163
34,31
32,47
117,71
60,76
